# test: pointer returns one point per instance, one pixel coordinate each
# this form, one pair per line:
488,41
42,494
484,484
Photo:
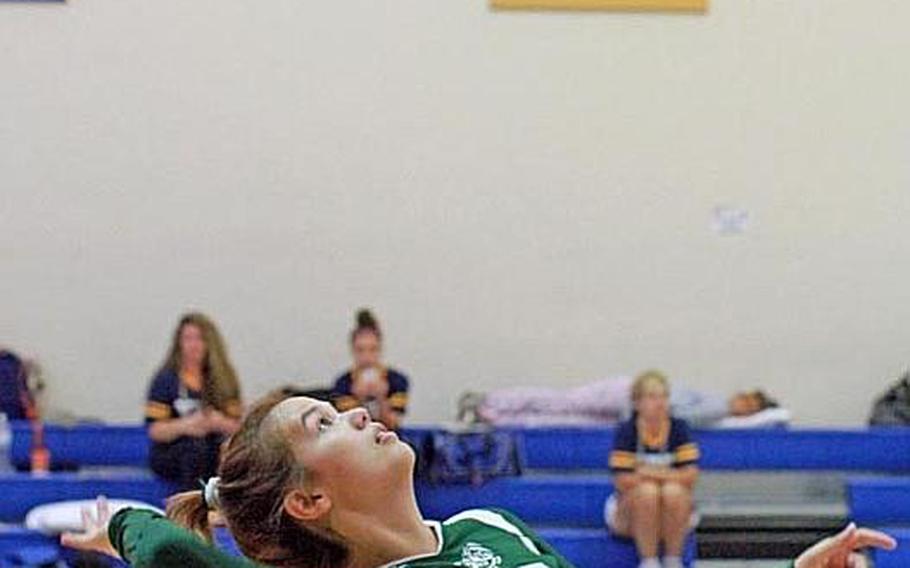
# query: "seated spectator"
17,400
654,461
193,403
383,391
893,407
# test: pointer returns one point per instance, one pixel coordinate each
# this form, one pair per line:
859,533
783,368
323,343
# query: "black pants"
186,460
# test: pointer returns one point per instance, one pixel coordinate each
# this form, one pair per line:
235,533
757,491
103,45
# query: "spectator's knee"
646,491
675,494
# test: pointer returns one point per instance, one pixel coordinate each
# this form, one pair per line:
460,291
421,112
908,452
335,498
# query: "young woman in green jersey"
301,485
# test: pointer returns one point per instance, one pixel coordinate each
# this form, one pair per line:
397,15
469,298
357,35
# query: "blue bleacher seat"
773,449
595,548
879,500
537,499
41,555
573,503
898,558
553,448
86,444
22,491
15,538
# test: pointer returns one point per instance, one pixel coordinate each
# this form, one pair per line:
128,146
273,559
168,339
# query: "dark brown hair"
258,469
762,399
221,389
365,322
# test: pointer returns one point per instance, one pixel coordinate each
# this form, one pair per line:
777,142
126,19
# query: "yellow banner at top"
620,5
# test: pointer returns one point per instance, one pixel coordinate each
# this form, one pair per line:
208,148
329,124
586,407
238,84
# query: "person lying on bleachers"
655,463
753,409
607,402
193,403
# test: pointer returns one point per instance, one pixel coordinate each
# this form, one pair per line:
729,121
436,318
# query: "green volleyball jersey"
477,538
482,538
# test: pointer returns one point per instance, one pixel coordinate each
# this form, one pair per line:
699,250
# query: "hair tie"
210,493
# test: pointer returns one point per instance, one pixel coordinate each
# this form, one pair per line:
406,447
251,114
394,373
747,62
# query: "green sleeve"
542,545
147,540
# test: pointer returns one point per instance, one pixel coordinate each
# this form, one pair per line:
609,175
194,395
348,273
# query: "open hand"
94,531
843,550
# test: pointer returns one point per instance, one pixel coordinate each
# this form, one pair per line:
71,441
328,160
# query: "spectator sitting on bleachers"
17,401
193,403
893,407
655,463
383,391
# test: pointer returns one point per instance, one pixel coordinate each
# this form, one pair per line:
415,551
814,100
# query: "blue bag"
469,456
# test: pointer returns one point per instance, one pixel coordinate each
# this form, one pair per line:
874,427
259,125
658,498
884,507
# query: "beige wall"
524,198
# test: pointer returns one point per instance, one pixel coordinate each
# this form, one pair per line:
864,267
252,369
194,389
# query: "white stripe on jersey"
535,565
494,520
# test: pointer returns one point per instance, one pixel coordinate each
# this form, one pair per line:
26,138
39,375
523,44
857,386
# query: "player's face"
653,403
192,345
353,460
366,349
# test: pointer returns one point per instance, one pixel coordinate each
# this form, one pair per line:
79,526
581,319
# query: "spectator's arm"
165,431
626,481
685,476
391,417
343,395
398,393
163,425
396,405
623,461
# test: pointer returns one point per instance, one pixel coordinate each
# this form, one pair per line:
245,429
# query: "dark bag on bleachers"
468,456
893,407
15,399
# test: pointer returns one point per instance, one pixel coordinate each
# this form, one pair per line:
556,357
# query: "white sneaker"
673,562
649,563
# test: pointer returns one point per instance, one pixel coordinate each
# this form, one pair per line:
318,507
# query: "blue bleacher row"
547,498
575,503
880,450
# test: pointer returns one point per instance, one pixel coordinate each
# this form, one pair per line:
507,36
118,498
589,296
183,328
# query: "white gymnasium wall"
524,198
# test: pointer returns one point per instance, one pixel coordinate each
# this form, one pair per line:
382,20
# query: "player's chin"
397,450
397,457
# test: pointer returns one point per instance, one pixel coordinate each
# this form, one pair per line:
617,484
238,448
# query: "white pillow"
764,419
62,516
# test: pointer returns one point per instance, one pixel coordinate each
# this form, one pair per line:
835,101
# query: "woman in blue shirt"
655,463
370,384
193,403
